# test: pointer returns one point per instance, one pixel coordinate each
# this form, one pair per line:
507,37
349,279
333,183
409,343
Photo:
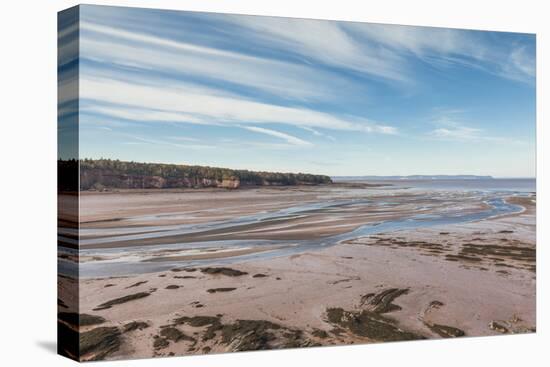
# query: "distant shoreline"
425,178
105,174
221,189
411,178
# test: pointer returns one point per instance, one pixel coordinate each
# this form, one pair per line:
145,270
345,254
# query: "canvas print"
235,183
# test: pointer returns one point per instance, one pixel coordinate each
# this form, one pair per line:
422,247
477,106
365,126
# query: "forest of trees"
106,173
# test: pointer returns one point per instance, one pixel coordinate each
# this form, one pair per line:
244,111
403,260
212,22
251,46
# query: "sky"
300,95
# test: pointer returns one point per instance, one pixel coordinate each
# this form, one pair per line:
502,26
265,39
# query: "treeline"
100,174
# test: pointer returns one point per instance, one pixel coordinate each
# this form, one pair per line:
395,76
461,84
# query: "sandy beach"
470,278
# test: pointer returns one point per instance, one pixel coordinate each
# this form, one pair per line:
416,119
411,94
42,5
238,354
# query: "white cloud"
137,113
186,104
323,41
318,133
288,138
521,63
167,143
459,132
384,50
451,130
170,141
443,47
183,138
130,49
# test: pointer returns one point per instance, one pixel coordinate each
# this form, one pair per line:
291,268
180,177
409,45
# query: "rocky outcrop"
100,180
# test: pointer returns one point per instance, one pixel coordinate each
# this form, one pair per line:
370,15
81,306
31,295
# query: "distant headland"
104,174
412,177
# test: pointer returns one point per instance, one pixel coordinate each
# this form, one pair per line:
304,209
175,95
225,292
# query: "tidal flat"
176,272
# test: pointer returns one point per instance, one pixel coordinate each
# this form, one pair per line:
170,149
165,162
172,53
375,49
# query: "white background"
28,183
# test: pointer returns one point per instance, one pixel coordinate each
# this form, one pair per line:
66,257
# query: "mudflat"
212,271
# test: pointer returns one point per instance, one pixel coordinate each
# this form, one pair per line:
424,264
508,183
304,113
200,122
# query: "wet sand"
468,279
133,219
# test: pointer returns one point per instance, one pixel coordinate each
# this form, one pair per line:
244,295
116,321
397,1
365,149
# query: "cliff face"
106,173
97,179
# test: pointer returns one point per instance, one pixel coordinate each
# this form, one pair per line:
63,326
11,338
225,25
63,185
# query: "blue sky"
336,98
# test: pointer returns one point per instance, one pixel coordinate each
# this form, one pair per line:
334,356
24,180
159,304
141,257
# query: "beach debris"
244,335
136,284
121,300
216,290
318,333
88,320
345,280
223,271
197,321
175,335
134,325
445,331
381,302
188,270
435,305
451,257
97,343
493,325
369,322
160,343
213,322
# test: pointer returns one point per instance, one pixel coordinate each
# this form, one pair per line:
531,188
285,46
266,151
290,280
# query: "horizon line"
306,171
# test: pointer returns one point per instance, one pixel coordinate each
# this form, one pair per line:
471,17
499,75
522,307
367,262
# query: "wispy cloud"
522,64
450,128
186,104
458,133
119,95
166,142
387,51
462,133
469,134
139,50
322,41
444,47
183,138
318,133
287,137
170,141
